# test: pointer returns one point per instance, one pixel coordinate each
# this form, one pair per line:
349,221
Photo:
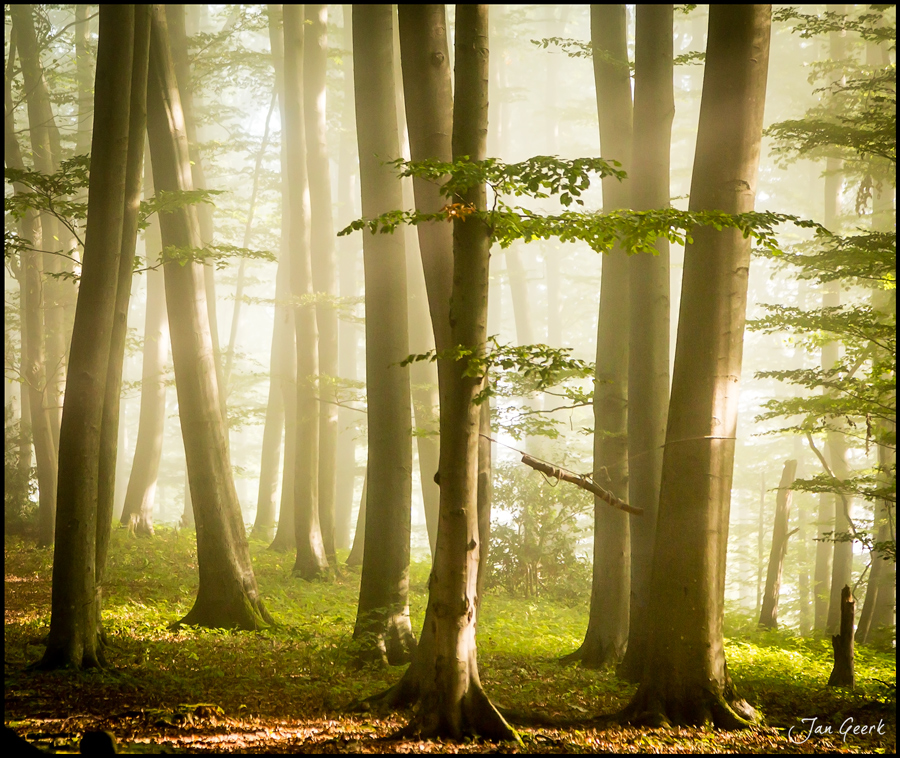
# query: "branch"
812,445
583,482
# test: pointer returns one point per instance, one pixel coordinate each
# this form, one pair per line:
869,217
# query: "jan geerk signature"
800,734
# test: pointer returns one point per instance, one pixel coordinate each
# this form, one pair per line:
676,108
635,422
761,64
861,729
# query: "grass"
288,688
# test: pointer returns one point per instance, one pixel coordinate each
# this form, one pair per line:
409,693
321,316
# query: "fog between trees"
270,103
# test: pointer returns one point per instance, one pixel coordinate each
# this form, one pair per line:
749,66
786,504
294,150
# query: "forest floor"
288,689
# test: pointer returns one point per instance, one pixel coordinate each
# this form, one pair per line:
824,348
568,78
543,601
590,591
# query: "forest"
434,378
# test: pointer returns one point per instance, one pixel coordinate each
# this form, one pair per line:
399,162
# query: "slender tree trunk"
228,596
348,332
84,76
137,513
648,353
607,633
74,640
685,678
356,552
768,616
324,262
383,613
311,560
134,168
843,675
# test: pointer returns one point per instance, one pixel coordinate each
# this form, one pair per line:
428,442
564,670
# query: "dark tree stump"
842,675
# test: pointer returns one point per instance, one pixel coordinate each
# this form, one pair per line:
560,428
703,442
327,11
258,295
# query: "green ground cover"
288,688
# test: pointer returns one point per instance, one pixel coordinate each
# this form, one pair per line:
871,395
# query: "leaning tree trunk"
382,621
228,596
768,616
311,559
648,353
453,703
74,640
685,679
324,261
137,513
607,632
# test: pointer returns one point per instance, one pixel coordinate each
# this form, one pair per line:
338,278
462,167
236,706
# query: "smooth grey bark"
324,262
382,622
311,560
75,640
648,324
685,678
227,596
607,632
768,616
137,512
84,76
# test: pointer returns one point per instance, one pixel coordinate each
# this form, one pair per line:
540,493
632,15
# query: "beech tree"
685,679
227,596
382,621
84,496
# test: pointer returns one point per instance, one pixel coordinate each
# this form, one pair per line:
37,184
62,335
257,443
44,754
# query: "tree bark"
453,703
311,560
137,513
607,632
685,678
648,350
324,262
228,596
382,621
74,640
768,616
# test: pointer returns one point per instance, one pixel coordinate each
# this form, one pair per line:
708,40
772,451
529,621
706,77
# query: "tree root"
695,706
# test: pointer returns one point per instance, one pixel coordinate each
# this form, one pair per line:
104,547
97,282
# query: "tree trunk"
382,620
685,678
648,353
109,434
324,261
84,75
311,560
33,363
607,632
348,332
137,513
453,703
768,616
228,596
842,675
359,538
74,640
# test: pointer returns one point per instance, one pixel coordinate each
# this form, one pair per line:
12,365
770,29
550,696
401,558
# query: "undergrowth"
304,667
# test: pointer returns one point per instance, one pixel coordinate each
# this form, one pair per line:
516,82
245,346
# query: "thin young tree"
228,596
311,560
382,621
685,679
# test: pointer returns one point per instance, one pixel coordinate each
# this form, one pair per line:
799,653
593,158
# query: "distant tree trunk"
33,364
843,675
429,114
228,596
760,541
75,635
266,507
648,353
607,632
768,616
311,559
359,538
685,678
348,333
383,613
137,513
842,564
324,261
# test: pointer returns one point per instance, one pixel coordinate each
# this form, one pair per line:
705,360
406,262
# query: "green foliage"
535,535
574,48
221,255
19,484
